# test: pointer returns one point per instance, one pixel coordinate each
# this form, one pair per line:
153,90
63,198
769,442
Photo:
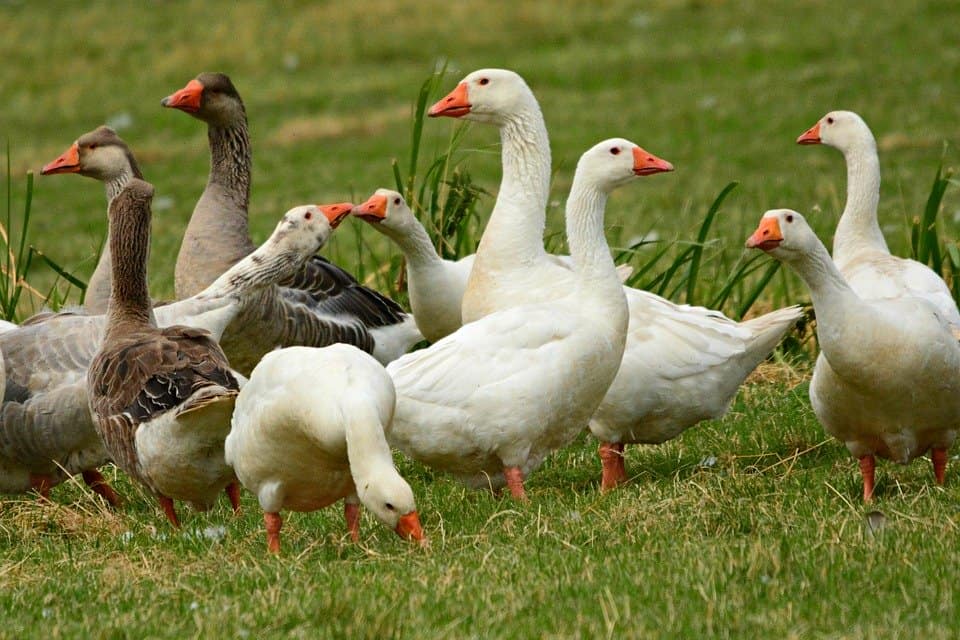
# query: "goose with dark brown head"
322,305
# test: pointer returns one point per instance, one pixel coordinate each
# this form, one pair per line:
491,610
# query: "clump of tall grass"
927,246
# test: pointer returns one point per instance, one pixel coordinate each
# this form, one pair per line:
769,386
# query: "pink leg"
42,485
273,523
939,458
514,478
167,505
351,512
614,469
233,492
98,484
867,464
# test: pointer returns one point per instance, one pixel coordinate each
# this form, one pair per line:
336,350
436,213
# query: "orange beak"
335,213
454,105
67,162
767,236
373,210
811,135
646,164
409,528
187,99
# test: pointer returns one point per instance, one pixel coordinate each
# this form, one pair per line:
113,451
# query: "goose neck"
415,243
585,236
832,297
268,265
858,227
130,251
230,162
367,447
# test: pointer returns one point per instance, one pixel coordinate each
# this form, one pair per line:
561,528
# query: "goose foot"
233,493
42,485
939,458
351,511
514,478
273,523
614,468
168,510
867,464
98,484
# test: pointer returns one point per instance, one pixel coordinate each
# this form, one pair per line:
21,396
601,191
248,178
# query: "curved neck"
230,162
833,299
585,236
415,243
367,448
858,227
130,250
267,265
515,230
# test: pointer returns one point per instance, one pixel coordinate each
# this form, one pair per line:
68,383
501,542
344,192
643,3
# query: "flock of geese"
276,370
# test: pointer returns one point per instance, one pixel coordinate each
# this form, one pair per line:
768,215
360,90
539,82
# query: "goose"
322,305
435,285
46,428
682,364
885,381
103,155
308,430
859,249
162,398
490,401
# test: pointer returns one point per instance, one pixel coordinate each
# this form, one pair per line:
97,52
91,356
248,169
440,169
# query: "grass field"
745,527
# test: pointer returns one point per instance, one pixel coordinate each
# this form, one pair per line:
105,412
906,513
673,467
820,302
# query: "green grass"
748,527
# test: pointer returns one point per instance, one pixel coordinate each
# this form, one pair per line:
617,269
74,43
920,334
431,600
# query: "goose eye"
92,145
829,120
789,218
389,507
396,201
307,215
484,81
615,150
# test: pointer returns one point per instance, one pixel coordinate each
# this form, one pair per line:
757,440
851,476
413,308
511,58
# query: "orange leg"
167,505
939,458
867,464
98,484
614,469
514,478
233,492
273,523
351,512
42,485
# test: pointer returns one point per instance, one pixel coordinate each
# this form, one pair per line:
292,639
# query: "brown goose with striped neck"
323,304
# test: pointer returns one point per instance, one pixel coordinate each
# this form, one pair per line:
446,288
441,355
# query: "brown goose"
322,305
103,155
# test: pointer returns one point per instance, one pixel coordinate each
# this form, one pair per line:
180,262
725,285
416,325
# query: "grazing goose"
46,429
490,401
885,383
322,305
308,430
859,249
681,364
103,155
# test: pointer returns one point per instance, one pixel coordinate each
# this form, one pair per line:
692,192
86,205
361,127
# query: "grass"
749,526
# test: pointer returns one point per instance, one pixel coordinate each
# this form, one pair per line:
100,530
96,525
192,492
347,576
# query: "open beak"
646,164
335,213
67,162
767,236
409,527
187,99
811,135
454,105
373,210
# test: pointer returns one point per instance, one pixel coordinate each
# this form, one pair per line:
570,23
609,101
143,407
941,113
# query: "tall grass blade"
701,240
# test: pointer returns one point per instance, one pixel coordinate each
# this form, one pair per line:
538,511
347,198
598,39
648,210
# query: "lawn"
749,526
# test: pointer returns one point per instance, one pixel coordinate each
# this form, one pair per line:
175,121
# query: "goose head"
390,499
487,95
100,154
617,161
210,97
785,235
387,209
306,228
841,130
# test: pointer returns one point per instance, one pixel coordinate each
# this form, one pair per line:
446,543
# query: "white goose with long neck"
859,248
885,383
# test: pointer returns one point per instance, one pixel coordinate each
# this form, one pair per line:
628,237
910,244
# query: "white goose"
500,394
885,381
681,364
308,430
859,249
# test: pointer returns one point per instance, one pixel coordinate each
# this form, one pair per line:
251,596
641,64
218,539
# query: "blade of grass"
701,240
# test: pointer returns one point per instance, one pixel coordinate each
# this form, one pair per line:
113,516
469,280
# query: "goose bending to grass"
322,304
46,429
885,381
859,249
490,401
103,155
681,364
308,430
